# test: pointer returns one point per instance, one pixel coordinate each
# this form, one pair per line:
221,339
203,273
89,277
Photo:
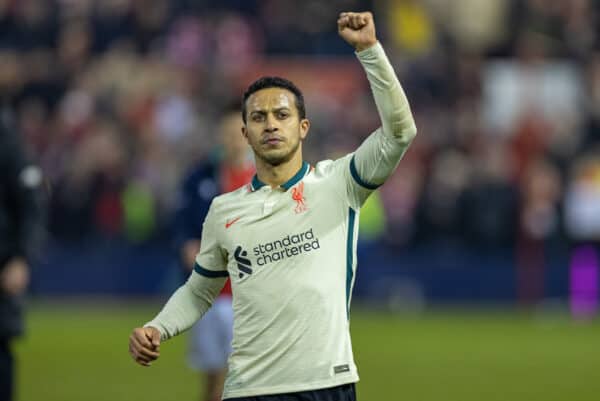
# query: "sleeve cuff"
163,333
370,53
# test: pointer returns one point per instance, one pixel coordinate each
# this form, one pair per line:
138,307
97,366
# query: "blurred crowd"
117,99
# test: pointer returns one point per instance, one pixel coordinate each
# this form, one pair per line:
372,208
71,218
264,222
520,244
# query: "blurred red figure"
210,338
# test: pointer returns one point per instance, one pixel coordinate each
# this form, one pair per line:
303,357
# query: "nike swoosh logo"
231,222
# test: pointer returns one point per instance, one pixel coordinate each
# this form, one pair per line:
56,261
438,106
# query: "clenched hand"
144,345
358,29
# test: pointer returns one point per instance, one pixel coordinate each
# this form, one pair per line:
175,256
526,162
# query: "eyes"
282,114
261,116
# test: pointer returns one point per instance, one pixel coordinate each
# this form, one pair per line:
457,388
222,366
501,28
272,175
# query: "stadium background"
478,265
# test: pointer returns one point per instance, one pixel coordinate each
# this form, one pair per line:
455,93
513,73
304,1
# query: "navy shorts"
345,392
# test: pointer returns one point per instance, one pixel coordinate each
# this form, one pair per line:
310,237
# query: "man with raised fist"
287,241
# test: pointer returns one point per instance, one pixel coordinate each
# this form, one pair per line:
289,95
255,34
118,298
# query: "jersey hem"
320,385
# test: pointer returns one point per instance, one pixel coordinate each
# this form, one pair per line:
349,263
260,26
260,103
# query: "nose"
271,125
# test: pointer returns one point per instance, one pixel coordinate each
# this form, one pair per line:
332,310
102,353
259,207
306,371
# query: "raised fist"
358,29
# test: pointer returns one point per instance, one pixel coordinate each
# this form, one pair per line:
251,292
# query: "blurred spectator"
35,24
540,227
592,102
231,168
491,199
582,200
112,21
443,199
400,198
20,219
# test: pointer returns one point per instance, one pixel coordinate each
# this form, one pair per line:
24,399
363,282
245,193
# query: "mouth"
272,140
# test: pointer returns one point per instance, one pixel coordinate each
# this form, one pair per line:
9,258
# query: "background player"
229,168
20,220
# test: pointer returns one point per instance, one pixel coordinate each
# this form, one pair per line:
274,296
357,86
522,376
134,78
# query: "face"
273,128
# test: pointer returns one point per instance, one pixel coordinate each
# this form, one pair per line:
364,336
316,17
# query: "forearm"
187,305
379,155
393,108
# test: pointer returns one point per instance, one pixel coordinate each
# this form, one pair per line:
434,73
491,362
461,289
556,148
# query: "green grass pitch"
78,352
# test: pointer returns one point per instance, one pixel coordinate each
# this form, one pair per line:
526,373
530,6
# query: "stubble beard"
275,159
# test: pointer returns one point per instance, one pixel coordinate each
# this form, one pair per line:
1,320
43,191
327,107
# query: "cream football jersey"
290,253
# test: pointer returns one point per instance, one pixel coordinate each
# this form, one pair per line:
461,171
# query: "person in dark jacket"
20,217
210,338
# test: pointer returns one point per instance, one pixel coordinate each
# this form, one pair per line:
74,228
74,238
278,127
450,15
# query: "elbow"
405,132
411,132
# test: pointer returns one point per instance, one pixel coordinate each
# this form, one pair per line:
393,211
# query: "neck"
274,176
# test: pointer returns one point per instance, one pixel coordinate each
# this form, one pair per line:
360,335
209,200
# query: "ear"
304,127
244,132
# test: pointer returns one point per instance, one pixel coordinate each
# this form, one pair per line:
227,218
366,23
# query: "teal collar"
257,184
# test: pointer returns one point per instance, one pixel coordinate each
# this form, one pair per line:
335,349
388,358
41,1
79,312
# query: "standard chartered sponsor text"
288,246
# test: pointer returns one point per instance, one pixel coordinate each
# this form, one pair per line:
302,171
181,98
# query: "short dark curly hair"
275,82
